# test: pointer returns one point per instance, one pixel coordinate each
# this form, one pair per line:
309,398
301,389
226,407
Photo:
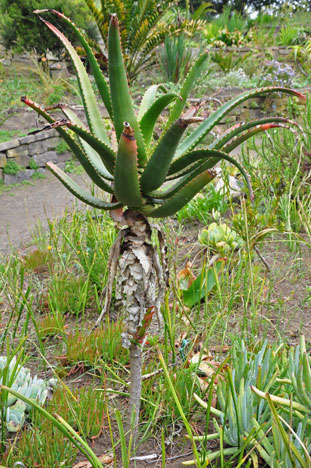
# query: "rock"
8,145
18,152
234,189
20,176
2,159
42,159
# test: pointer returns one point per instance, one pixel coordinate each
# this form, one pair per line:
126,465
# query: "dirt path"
23,207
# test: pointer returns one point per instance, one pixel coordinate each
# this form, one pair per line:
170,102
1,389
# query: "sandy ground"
21,208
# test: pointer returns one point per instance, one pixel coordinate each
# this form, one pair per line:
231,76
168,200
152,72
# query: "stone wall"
30,152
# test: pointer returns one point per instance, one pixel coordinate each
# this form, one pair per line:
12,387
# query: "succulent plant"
156,179
221,238
148,177
33,388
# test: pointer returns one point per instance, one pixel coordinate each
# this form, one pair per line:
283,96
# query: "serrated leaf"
237,130
158,165
150,117
126,183
212,157
106,154
75,148
181,198
149,98
186,88
79,192
92,154
87,94
122,106
199,133
97,73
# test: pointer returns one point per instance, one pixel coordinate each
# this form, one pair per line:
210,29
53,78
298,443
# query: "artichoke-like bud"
221,238
156,178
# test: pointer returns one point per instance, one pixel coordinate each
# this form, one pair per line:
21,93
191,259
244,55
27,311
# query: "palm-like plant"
142,28
150,179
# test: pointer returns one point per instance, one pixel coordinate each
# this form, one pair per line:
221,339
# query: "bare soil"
23,207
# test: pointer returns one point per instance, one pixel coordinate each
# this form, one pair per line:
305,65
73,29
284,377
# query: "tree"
143,26
144,178
21,30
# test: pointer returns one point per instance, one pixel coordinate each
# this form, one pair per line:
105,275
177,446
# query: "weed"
101,345
33,164
12,168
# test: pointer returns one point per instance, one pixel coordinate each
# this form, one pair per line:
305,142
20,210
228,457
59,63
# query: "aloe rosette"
154,178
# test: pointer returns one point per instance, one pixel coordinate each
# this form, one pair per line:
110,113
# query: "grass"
53,294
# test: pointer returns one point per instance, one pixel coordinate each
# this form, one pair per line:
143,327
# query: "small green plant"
100,345
12,168
51,325
6,135
19,379
62,147
230,61
33,164
175,59
221,238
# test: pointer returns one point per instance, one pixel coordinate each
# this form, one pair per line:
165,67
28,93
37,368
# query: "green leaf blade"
158,165
122,106
202,130
79,192
88,97
150,117
126,182
181,198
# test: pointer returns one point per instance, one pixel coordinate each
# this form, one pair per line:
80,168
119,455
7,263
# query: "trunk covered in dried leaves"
135,265
139,285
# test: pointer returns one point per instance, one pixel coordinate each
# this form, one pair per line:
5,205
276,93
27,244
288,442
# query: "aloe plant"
150,179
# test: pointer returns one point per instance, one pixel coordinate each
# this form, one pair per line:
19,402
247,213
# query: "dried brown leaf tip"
128,132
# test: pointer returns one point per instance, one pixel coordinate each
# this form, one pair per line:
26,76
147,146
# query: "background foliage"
22,30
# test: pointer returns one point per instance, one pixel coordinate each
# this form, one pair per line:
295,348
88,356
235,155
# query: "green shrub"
11,168
22,30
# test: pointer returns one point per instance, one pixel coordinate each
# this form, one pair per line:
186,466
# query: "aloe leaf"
237,130
106,154
158,165
181,198
126,184
248,134
79,192
149,119
82,157
122,106
149,98
97,73
212,157
88,97
186,88
92,154
199,133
